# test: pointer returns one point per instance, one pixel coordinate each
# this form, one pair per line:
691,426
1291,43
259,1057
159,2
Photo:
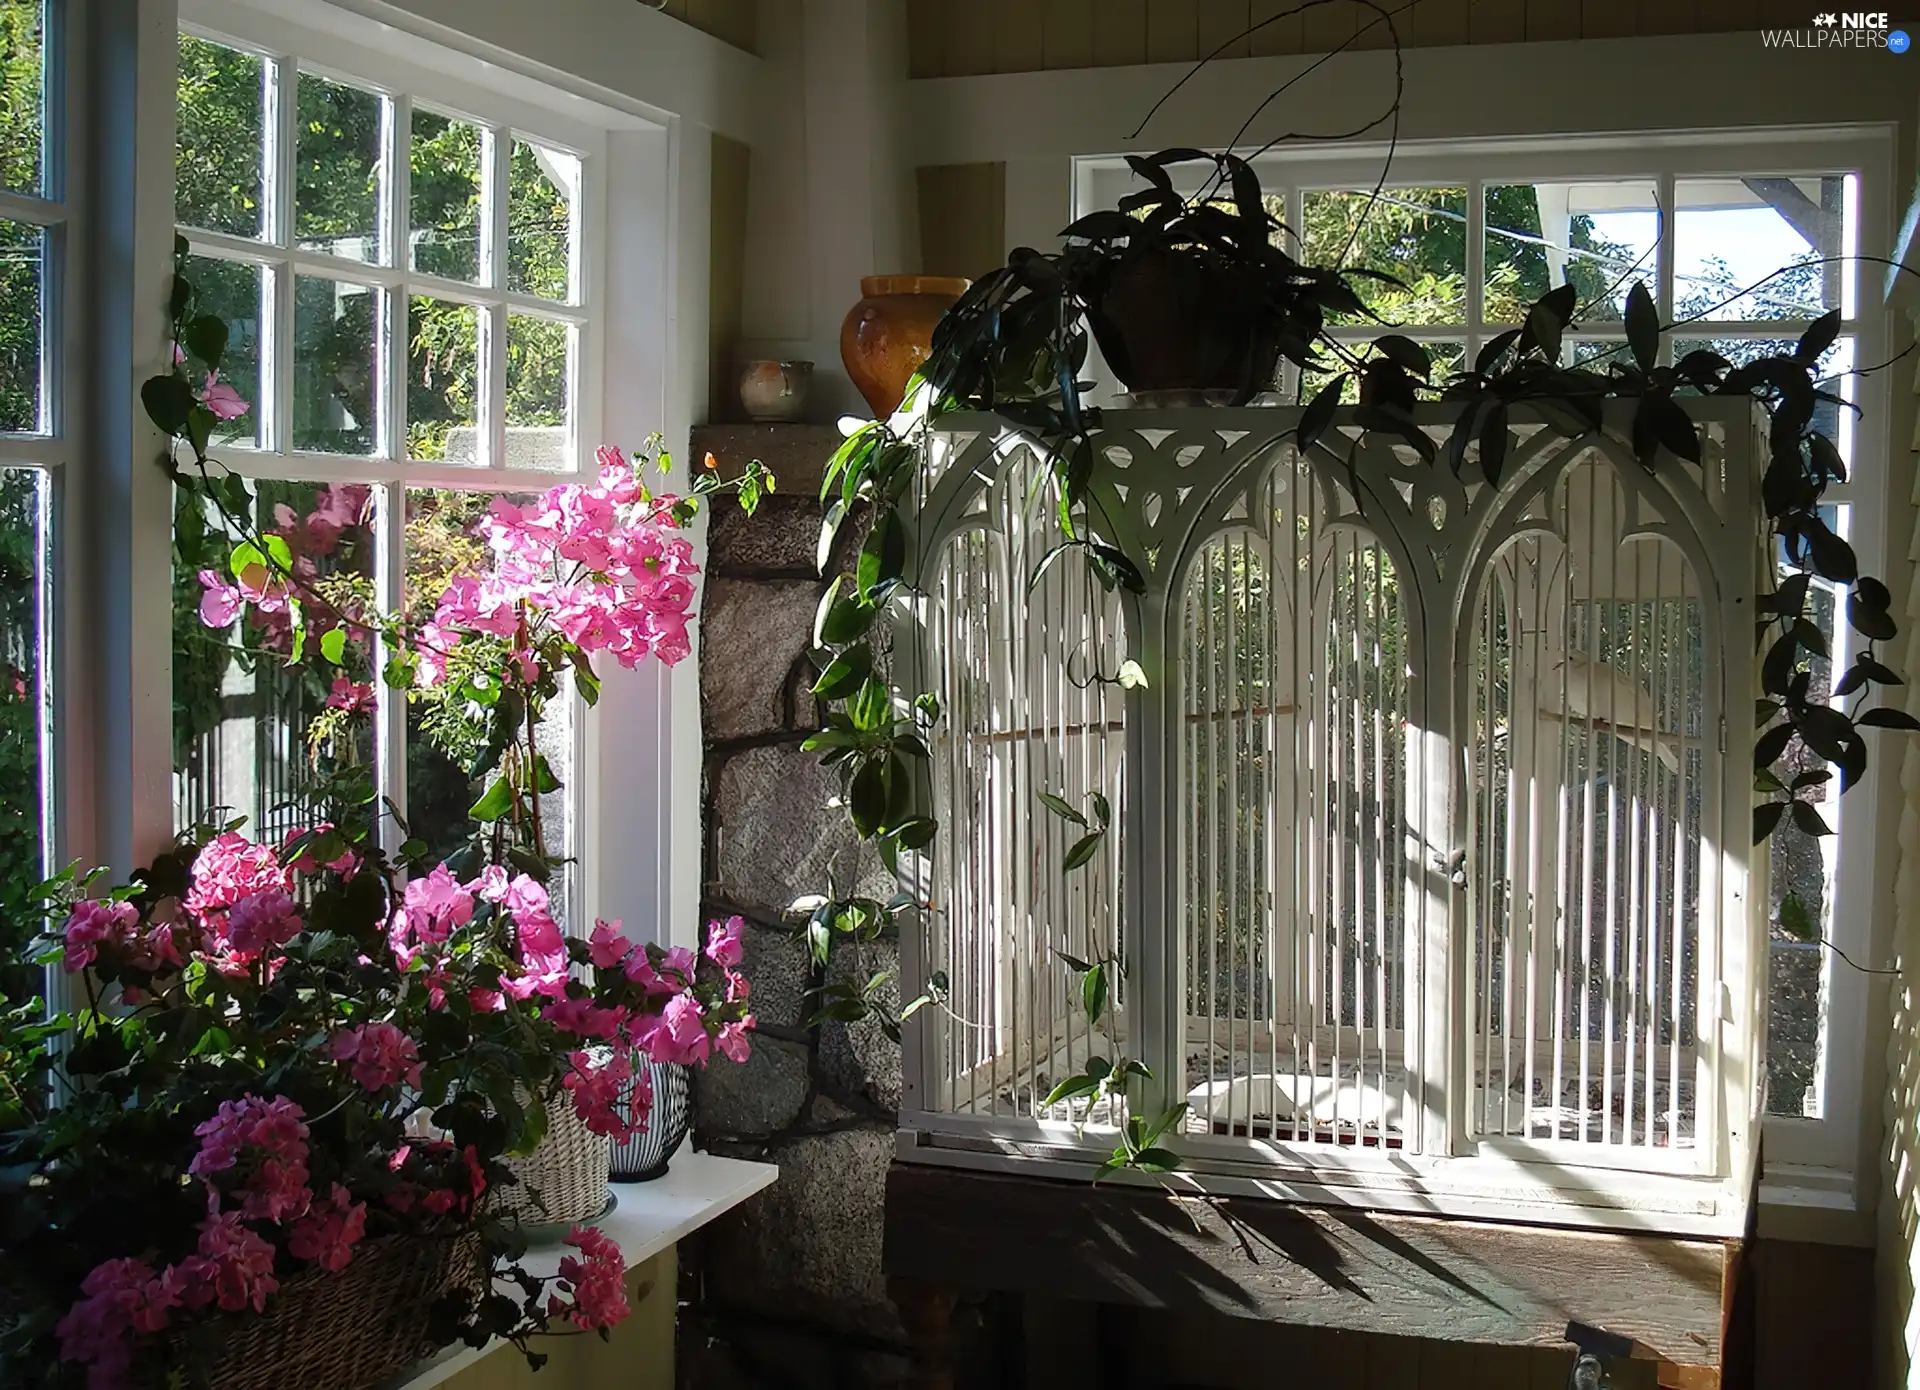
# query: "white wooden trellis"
1431,873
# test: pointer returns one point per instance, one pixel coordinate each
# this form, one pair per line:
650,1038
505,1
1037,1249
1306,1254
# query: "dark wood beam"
1462,1281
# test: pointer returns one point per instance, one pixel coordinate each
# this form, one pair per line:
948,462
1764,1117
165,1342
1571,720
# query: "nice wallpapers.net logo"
1855,29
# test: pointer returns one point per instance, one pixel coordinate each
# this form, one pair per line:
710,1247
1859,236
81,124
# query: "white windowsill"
649,1217
1816,1205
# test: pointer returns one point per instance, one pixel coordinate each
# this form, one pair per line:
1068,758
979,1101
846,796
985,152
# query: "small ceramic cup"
775,391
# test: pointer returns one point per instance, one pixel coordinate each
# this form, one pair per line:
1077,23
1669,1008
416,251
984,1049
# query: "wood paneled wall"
731,21
958,38
963,218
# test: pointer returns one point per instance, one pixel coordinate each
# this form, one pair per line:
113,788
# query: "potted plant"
1191,293
269,1143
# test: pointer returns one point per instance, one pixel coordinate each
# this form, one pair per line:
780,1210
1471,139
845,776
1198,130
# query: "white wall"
831,196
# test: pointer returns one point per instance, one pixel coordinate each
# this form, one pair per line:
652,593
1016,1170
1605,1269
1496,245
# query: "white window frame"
1823,1153
633,822
49,448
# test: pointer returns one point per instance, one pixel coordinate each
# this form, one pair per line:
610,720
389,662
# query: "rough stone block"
859,1059
780,835
808,1248
755,1097
782,536
776,966
753,635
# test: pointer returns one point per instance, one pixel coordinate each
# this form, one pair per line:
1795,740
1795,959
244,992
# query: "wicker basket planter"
347,1331
568,1171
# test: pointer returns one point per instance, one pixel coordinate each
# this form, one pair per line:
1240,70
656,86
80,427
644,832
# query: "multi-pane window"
32,431
1744,264
405,291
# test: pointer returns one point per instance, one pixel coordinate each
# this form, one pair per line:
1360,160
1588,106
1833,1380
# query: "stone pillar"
790,1287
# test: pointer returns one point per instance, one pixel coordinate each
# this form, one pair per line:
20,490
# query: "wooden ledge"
1406,1276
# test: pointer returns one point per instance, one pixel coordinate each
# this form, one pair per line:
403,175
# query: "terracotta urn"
775,391
890,331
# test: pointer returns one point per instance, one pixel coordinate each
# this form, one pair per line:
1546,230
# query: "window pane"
252,734
539,393
234,292
1597,354
23,555
444,218
335,367
337,198
543,200
444,541
443,381
22,118
22,264
1733,233
221,139
1598,237
1803,867
1447,355
1416,235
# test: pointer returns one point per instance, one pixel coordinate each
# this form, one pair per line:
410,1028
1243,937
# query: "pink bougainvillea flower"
355,697
379,1053
732,1042
225,402
725,942
609,946
596,1279
584,1019
220,602
679,1035
594,1083
328,1232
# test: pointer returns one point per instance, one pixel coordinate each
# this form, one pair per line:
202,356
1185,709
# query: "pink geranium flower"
380,1055
327,1234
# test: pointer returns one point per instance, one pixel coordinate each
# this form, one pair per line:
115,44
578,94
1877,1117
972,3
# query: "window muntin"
458,360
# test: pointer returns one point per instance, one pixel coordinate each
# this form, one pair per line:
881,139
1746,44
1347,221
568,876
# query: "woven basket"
568,1171
347,1331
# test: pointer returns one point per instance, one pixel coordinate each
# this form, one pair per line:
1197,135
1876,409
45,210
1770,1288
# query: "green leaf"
493,803
1093,991
1070,1089
205,336
829,533
917,833
1807,820
1766,819
168,401
1062,808
333,645
1887,717
827,601
846,673
842,620
867,798
1102,809
884,556
1818,338
872,708
1643,327
1797,920
1083,850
